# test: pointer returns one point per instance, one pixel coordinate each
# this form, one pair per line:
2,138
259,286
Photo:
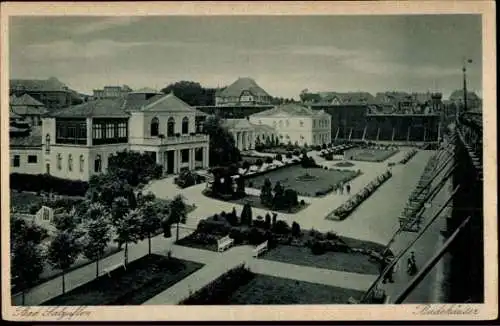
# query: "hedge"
45,182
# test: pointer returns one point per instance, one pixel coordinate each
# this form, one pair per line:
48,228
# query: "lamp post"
464,70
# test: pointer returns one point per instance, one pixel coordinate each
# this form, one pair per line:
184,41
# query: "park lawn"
322,179
254,201
191,242
142,280
21,201
264,289
371,155
339,261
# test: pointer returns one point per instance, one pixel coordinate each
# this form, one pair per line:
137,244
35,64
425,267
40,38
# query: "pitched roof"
96,108
170,103
243,84
291,109
51,84
135,103
34,138
237,124
29,110
24,100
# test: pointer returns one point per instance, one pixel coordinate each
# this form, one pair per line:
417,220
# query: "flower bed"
408,156
348,207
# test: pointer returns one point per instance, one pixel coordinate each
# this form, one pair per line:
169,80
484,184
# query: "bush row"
408,156
46,182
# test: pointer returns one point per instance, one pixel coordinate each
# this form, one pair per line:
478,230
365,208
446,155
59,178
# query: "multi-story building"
28,108
246,134
111,92
51,92
76,143
296,124
244,91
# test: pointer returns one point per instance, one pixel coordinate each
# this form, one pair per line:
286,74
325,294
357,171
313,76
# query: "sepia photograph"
233,161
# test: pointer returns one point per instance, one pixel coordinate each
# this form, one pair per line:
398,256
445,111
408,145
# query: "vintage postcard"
206,161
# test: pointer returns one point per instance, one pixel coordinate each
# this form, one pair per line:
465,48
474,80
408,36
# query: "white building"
244,91
76,143
245,133
296,124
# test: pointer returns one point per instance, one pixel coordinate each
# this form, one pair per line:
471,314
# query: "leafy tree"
63,252
178,213
246,215
192,93
281,227
266,195
97,237
151,222
27,262
22,231
128,229
245,165
222,147
134,167
278,199
65,221
290,198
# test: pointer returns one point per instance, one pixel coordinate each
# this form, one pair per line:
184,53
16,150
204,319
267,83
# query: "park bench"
260,249
114,267
224,243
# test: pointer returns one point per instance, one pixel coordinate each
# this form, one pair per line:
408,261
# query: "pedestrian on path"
348,188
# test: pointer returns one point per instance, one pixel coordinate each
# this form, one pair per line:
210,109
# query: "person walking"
348,188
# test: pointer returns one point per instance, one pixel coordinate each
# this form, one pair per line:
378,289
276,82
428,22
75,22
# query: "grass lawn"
290,177
143,279
254,201
340,261
263,289
370,155
21,201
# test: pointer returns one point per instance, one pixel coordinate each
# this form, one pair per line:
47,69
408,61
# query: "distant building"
25,148
28,108
296,124
474,102
243,91
52,93
246,133
111,92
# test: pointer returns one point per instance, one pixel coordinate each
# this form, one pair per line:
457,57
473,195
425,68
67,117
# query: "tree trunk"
177,233
126,253
63,282
149,242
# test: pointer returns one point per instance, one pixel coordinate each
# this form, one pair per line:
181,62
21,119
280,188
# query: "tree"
192,93
295,229
290,198
134,167
128,229
278,199
63,252
27,255
275,218
65,221
266,195
267,222
178,213
246,215
222,147
150,223
96,238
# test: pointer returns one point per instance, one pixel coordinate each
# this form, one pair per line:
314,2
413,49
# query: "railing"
170,140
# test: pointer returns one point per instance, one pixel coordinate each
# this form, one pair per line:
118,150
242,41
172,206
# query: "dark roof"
34,138
96,108
135,103
24,100
29,110
51,84
243,84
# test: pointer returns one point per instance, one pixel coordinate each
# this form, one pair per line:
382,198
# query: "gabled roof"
290,109
29,110
170,103
24,100
96,108
135,103
51,84
240,85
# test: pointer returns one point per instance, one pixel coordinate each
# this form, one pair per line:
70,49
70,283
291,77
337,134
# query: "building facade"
246,134
111,92
244,91
296,124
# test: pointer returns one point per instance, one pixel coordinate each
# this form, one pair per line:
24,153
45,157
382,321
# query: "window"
82,162
97,131
59,161
17,160
281,124
314,123
98,164
171,127
185,125
71,131
198,154
155,124
32,158
47,144
110,131
122,130
301,123
70,162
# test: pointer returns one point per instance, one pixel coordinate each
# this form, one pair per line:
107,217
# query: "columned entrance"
170,161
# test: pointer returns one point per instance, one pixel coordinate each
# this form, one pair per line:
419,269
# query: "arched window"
155,126
82,162
301,123
59,161
185,125
70,162
98,164
170,127
47,143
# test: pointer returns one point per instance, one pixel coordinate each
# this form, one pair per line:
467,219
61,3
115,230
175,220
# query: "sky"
284,54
